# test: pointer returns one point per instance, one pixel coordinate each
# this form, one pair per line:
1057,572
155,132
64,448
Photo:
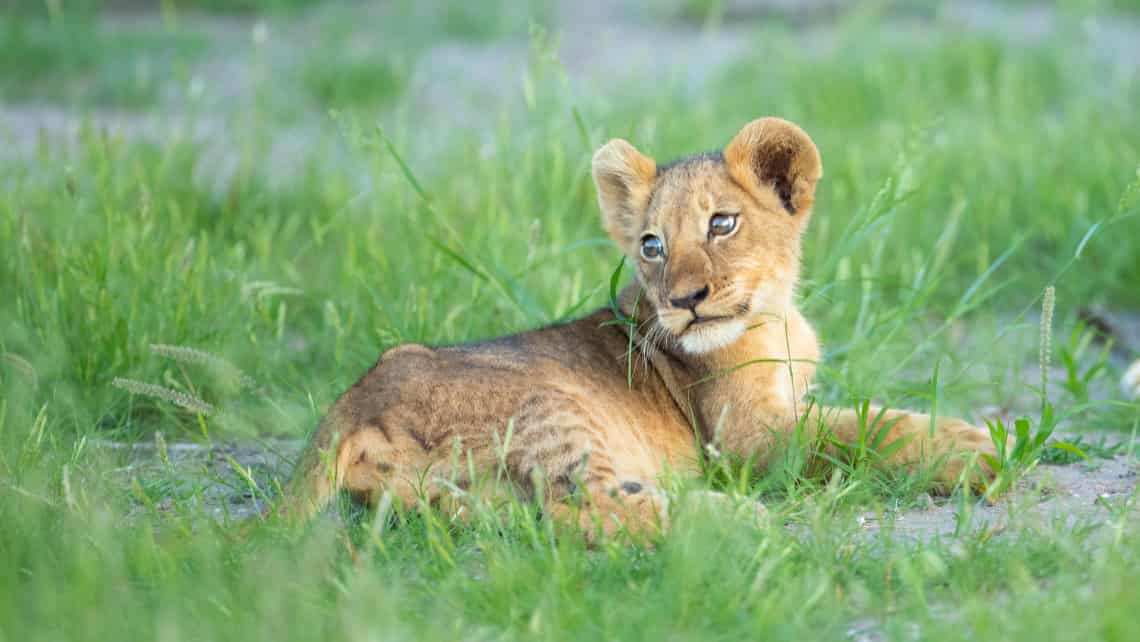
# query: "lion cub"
716,243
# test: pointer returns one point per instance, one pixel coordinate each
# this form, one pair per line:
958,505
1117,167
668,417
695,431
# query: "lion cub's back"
472,391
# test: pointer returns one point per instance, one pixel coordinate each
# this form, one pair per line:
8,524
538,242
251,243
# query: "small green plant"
1011,462
1101,448
1075,353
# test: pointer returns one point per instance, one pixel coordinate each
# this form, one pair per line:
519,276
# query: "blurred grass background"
295,186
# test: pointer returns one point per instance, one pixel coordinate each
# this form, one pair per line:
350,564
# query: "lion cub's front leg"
945,442
910,439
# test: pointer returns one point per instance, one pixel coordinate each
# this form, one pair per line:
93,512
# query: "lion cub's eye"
722,224
652,248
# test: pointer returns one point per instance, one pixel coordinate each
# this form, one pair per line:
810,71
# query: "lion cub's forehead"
689,186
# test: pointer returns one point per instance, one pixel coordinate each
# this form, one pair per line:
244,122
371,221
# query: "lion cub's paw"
643,516
956,435
1130,382
959,443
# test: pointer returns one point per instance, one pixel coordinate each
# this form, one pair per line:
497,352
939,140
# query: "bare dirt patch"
219,477
1071,495
224,480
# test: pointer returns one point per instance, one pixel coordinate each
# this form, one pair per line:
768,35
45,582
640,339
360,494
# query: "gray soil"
217,480
231,480
1066,495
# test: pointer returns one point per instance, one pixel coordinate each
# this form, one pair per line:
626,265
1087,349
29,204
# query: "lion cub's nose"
691,299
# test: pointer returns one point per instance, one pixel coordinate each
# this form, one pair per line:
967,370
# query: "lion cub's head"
715,237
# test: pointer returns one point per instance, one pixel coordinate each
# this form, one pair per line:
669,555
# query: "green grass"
352,82
963,175
80,61
359,72
168,7
1123,6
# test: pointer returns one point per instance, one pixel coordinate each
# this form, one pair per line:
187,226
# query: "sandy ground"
1071,495
216,479
1075,494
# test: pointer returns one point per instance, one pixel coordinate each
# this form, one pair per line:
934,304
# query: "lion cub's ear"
774,153
624,178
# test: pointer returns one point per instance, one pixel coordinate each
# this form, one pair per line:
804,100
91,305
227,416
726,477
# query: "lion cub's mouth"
698,320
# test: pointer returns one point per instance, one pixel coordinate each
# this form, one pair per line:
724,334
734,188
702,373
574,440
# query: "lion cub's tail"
313,485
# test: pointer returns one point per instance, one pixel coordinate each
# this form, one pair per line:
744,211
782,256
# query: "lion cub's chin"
711,336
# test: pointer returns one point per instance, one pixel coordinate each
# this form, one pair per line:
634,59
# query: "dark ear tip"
778,153
772,132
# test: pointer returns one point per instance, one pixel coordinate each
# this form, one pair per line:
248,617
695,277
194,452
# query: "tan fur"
555,404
